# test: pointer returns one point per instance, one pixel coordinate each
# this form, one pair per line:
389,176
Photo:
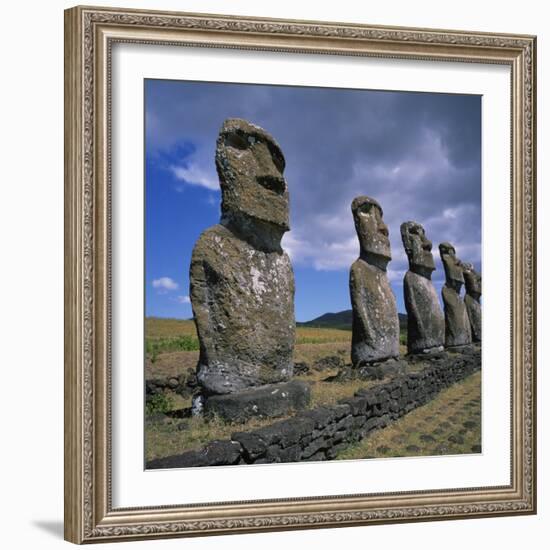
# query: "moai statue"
425,320
242,283
375,334
472,280
457,324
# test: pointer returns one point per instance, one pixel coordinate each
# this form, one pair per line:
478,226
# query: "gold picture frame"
89,35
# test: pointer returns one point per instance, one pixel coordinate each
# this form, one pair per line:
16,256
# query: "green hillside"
342,320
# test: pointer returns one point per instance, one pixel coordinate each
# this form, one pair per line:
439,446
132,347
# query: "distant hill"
341,320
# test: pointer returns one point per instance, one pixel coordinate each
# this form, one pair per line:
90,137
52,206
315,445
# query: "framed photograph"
276,234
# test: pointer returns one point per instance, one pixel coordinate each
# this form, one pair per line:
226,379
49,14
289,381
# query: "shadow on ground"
52,527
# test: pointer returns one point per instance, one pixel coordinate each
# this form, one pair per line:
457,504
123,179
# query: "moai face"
250,166
453,267
472,280
418,248
371,230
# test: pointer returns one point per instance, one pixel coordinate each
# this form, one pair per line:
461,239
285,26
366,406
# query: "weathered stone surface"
287,432
382,369
242,284
329,362
473,307
373,370
300,368
472,281
425,320
216,453
265,401
252,443
184,384
375,321
457,324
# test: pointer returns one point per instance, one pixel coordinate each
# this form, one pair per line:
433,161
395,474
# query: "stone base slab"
464,348
382,369
267,401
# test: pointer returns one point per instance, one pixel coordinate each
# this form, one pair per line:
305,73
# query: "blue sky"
418,154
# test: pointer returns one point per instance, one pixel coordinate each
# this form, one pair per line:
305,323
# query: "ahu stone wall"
321,433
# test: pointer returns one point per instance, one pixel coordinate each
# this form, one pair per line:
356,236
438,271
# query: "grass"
169,335
157,327
329,393
155,346
449,424
159,403
311,335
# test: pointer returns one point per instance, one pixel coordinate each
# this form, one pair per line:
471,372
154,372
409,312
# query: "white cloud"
165,283
192,174
450,213
183,299
294,247
323,256
336,255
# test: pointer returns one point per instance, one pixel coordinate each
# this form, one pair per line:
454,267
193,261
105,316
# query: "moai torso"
425,320
375,321
457,324
472,281
242,284
375,335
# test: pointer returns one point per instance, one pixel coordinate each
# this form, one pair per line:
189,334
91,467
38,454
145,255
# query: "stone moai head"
472,280
418,248
372,231
453,267
250,165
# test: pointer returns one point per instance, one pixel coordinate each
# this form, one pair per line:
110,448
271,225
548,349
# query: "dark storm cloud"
417,154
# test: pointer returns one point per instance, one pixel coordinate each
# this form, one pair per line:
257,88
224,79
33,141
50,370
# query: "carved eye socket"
236,140
365,209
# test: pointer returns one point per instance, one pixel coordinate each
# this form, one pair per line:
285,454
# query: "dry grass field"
166,329
156,327
172,434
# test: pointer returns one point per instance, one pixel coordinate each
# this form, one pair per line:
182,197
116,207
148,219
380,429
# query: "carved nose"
264,159
382,228
427,245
